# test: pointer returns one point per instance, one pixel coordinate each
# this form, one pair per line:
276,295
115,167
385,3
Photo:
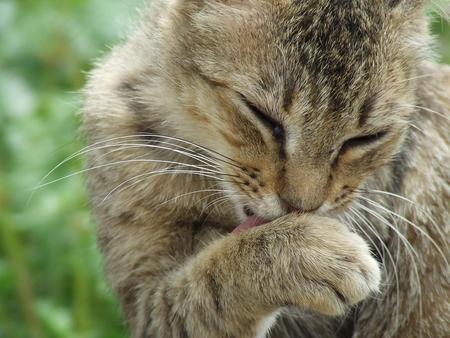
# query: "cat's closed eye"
275,127
359,142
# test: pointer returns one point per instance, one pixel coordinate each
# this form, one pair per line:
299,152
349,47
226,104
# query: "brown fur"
269,94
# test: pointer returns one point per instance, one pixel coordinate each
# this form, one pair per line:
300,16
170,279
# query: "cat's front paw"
340,266
304,261
313,262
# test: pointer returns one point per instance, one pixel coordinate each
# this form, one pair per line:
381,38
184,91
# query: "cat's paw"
304,261
314,262
340,268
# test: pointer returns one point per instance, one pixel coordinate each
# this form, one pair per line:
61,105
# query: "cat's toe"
361,276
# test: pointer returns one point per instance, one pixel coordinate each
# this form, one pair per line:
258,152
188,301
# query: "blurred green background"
51,279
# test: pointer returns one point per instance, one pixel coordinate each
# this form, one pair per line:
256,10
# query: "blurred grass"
51,280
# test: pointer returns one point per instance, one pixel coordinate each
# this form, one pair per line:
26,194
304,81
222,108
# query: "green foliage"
51,279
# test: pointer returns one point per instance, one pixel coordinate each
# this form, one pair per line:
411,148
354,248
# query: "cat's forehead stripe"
366,109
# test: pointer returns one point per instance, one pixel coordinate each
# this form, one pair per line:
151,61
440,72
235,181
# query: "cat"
274,169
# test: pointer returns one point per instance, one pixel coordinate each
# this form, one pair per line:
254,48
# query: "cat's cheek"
342,188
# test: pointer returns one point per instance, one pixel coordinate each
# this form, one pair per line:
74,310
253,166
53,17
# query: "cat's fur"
326,71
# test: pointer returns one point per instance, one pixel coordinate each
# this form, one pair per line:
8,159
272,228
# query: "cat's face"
305,100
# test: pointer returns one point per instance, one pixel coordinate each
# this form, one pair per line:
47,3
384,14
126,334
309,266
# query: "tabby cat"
274,168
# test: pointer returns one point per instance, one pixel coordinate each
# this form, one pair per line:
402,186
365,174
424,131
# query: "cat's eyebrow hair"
366,109
211,81
289,94
129,92
267,120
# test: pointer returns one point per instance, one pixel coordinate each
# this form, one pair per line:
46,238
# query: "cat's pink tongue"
251,222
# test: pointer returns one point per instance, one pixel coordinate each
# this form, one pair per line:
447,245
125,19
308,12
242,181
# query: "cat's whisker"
212,203
390,212
221,200
386,222
232,162
96,146
154,174
211,173
207,157
215,192
412,78
214,161
419,207
221,203
211,195
186,151
177,139
417,228
358,226
217,205
412,125
391,258
227,181
441,12
354,223
125,146
213,186
428,110
407,245
79,153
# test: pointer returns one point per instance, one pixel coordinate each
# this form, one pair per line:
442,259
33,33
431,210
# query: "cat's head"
306,99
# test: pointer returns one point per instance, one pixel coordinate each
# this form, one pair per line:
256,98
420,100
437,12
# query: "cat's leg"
231,286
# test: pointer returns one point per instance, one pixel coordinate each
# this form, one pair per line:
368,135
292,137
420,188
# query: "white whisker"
413,78
216,192
416,127
93,146
154,174
187,152
375,204
123,162
428,110
125,146
391,258
409,249
422,209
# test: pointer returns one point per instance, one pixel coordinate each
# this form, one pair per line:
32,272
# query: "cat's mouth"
249,223
252,221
